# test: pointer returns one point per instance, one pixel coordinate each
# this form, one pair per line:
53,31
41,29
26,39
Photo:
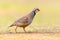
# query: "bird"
25,20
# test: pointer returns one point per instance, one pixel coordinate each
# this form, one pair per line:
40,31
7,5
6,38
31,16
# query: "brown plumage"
25,21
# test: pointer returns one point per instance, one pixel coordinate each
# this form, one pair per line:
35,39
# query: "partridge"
26,20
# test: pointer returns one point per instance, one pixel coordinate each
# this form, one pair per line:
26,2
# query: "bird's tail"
11,25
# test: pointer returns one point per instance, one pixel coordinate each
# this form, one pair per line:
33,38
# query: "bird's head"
36,10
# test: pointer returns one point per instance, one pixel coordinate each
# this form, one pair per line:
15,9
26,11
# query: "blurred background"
47,20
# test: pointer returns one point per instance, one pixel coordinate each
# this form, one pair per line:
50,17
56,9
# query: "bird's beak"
38,10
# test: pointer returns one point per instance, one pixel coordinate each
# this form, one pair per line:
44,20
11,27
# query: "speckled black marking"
34,13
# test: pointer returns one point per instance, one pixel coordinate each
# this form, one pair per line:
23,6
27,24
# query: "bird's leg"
24,29
16,29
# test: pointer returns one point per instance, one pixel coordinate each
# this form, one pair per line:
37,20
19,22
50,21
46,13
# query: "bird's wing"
22,20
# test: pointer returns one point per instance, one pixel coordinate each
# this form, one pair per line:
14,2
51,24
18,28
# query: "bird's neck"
32,14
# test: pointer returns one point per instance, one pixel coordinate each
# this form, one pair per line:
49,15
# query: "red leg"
24,29
16,29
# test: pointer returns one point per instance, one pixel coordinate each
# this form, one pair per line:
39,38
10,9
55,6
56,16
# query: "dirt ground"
30,36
